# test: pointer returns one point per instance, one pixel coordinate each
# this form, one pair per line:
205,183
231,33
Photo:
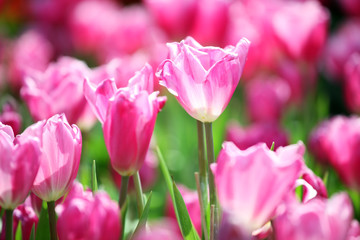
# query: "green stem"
139,193
52,220
93,177
211,159
203,183
202,208
8,224
123,190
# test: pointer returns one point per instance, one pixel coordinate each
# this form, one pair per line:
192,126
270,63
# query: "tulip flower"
57,90
11,117
203,79
60,145
354,231
165,229
128,116
252,183
317,219
85,216
19,165
352,83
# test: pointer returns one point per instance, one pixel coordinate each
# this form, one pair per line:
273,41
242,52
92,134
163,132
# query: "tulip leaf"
182,215
94,185
32,234
186,226
123,212
43,228
18,234
144,215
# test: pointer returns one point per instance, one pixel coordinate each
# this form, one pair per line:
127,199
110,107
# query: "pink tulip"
203,79
26,216
252,183
19,165
57,90
11,117
354,231
352,83
191,200
267,132
89,217
341,45
342,155
317,219
61,149
128,116
309,38
31,51
266,98
147,172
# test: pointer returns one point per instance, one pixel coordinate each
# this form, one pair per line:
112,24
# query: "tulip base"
8,224
52,220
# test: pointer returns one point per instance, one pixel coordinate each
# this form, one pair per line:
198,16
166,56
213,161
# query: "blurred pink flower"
128,116
311,28
148,173
19,165
11,117
340,46
252,183
60,146
85,216
266,98
191,200
352,83
317,219
59,89
175,17
203,79
352,7
267,132
31,51
342,155
354,231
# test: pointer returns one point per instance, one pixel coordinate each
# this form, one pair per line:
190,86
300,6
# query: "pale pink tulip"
60,145
89,217
252,183
128,116
57,90
203,79
328,219
19,165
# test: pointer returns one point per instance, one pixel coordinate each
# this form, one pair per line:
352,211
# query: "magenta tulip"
252,183
128,116
317,219
19,165
60,145
11,117
352,83
89,217
203,79
59,89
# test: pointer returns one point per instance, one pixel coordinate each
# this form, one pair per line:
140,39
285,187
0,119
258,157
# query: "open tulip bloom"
203,79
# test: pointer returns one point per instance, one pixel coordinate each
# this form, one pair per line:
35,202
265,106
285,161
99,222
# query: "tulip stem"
52,219
202,208
8,224
139,193
202,176
123,190
211,159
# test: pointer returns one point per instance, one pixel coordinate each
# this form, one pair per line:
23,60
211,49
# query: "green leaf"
184,220
123,212
32,234
94,185
182,215
18,234
144,215
43,228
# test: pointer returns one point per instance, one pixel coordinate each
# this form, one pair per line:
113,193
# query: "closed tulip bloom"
203,79
318,219
19,165
60,145
89,217
252,183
